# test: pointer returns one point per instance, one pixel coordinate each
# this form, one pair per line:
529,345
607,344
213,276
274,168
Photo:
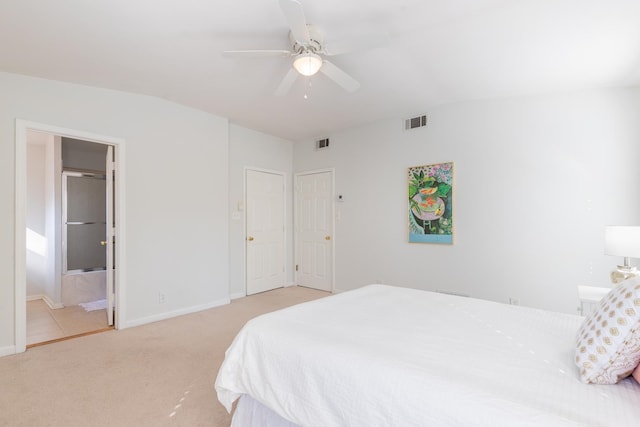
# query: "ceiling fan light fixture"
307,63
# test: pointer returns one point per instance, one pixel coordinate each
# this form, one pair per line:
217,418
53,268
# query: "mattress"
387,356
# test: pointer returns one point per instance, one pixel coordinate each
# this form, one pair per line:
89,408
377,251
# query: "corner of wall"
7,351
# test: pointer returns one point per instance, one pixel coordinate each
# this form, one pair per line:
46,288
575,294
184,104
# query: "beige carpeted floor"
161,374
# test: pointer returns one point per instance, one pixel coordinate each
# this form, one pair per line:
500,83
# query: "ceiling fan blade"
338,47
257,53
292,10
347,82
286,83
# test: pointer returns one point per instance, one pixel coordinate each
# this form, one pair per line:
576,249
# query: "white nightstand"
589,297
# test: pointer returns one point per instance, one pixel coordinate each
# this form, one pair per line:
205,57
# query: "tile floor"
45,324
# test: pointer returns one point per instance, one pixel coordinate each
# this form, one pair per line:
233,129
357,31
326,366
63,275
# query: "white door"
265,231
110,234
314,229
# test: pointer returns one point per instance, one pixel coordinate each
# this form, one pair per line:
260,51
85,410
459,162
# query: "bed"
390,356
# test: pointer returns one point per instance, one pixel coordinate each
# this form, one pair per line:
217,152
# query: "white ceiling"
437,52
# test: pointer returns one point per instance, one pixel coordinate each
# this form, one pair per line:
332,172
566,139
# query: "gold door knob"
250,238
103,243
327,237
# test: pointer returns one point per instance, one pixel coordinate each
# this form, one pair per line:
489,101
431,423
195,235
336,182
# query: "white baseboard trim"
243,294
175,313
237,295
8,350
52,305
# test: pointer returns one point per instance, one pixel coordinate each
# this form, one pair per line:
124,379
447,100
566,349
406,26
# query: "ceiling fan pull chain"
307,86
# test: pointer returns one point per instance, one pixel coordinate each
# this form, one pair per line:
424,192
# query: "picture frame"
430,203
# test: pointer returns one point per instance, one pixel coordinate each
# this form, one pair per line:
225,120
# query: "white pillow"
608,342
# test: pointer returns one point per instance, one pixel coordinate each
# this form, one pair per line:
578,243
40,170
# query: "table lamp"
622,241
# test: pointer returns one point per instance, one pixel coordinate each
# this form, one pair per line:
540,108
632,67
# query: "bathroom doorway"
70,237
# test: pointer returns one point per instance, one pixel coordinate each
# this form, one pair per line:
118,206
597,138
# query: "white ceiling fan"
309,49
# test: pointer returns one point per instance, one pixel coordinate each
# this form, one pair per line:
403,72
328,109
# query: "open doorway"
68,205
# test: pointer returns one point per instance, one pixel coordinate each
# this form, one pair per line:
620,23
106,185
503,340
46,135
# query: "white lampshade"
307,64
622,241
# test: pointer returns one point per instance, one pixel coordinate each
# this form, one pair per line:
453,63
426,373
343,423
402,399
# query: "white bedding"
389,356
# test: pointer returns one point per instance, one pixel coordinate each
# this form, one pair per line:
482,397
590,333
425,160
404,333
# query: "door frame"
284,220
20,248
296,246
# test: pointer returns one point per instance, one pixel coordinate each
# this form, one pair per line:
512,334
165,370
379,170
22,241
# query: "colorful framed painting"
431,203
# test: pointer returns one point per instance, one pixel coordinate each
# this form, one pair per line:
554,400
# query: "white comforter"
389,356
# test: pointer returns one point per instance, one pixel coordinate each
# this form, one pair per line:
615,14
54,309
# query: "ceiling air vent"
415,122
322,144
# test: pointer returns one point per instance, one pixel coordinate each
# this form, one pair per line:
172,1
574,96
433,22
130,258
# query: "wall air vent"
415,122
322,144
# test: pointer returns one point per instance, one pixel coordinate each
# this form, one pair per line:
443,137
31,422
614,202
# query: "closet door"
314,230
265,247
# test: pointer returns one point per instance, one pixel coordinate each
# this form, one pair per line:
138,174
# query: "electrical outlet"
162,298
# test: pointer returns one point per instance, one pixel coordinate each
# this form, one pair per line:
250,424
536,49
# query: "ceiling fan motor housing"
316,39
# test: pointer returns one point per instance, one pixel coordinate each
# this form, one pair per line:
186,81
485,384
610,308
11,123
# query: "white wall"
176,192
43,218
248,148
536,180
36,218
